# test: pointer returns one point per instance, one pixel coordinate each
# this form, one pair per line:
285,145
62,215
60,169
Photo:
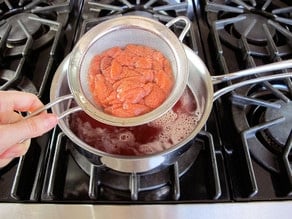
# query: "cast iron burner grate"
155,180
21,21
258,22
70,176
241,35
250,27
30,30
263,118
24,84
188,179
34,37
161,10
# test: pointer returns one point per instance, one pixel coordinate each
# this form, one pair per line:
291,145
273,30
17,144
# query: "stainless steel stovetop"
238,166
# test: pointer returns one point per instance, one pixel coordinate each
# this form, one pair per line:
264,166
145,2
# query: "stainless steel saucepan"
119,32
201,84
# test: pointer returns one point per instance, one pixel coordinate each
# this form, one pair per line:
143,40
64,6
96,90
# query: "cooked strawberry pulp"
130,81
158,135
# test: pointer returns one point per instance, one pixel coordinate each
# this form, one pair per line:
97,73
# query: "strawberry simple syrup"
155,136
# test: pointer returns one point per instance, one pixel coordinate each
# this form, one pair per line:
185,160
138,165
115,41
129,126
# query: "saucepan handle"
178,20
252,71
232,87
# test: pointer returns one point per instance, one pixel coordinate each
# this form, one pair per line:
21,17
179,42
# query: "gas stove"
240,160
245,35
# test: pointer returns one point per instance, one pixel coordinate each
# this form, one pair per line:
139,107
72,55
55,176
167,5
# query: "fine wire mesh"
120,38
119,32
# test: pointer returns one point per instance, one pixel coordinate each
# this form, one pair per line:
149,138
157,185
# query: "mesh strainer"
120,32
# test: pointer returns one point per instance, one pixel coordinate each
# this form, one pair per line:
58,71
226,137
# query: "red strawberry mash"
130,81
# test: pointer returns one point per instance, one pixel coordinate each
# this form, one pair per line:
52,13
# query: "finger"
19,101
16,150
4,162
9,117
13,152
11,134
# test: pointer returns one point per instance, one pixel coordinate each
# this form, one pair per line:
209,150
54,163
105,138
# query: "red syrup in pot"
158,135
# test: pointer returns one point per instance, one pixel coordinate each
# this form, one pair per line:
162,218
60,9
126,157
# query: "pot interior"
199,83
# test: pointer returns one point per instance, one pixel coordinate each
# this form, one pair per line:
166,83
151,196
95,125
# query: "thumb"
27,128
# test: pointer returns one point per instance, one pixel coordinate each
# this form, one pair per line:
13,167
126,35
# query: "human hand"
15,131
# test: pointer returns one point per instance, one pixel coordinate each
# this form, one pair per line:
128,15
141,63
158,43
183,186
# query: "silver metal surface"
52,103
232,87
196,66
199,82
186,28
250,210
253,71
119,32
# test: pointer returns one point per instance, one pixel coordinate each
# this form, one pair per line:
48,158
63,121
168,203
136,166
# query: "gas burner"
159,9
23,85
158,181
16,33
36,20
280,133
95,12
159,194
264,25
252,28
263,115
71,175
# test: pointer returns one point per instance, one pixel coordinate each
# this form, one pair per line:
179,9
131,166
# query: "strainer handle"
178,20
49,105
56,101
